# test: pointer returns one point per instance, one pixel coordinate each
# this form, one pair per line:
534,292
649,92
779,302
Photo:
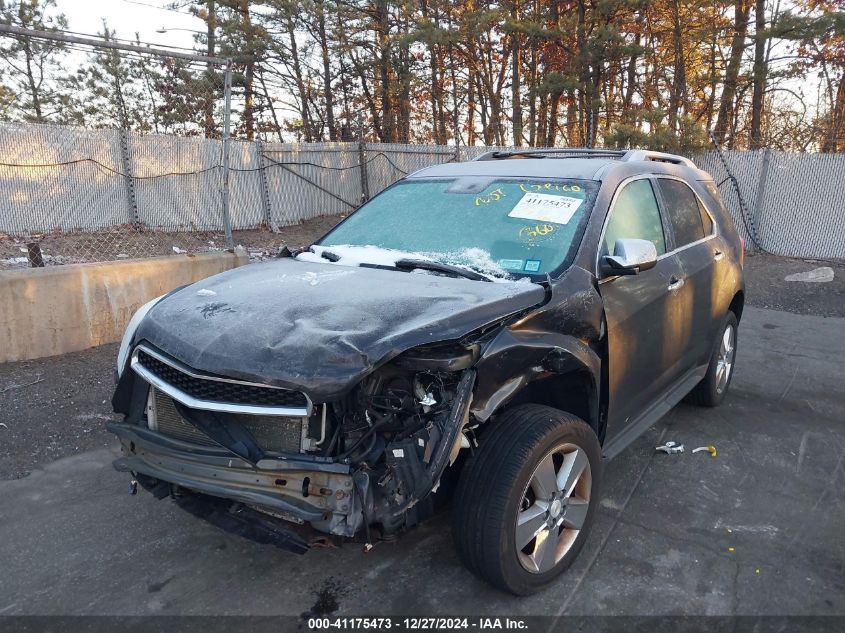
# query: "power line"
102,43
153,6
114,38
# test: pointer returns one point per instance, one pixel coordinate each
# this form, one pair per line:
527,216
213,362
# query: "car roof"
576,163
578,168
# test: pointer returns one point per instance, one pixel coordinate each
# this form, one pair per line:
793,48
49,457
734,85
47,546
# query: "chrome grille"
217,390
271,433
213,393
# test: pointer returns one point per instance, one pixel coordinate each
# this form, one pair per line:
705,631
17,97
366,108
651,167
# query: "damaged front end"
360,462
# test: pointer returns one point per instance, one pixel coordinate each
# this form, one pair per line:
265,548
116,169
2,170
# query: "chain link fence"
64,190
112,150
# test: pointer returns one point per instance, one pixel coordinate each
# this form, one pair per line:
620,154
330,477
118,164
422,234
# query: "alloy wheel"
553,508
725,360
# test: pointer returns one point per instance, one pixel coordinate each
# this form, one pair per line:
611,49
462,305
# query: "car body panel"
320,328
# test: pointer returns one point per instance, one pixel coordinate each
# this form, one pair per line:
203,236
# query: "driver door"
637,309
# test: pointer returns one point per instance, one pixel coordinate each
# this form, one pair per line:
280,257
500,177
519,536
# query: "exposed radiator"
271,433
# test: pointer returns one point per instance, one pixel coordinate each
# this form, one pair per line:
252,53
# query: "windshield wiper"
332,257
425,264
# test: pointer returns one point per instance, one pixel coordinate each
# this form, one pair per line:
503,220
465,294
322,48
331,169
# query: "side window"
705,218
635,215
682,209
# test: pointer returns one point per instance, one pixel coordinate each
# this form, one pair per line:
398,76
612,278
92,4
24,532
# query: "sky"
129,17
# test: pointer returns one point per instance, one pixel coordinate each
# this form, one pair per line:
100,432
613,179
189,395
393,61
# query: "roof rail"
565,152
584,152
661,157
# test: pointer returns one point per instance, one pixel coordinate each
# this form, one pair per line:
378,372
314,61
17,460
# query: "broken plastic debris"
670,447
205,292
178,250
710,449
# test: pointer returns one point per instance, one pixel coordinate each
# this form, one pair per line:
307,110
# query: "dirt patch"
766,286
54,407
126,243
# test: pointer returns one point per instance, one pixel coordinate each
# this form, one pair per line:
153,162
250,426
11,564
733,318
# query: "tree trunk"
516,70
724,120
307,128
532,94
631,77
327,76
679,84
249,75
30,75
759,74
471,109
388,128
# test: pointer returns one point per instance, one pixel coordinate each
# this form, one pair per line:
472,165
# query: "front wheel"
526,499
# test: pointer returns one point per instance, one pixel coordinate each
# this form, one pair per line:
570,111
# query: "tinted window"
635,215
682,209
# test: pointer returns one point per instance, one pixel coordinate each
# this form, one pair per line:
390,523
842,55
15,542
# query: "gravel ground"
125,243
767,288
54,407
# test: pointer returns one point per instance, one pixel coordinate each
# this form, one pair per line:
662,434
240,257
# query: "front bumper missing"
319,493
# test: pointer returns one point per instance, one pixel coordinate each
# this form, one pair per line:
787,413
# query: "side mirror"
630,257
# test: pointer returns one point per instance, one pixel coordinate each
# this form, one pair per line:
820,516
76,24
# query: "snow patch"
315,278
356,255
817,275
476,259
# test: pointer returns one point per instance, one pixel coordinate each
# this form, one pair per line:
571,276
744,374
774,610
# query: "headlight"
134,322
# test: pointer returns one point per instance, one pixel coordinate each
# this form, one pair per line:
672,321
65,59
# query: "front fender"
515,358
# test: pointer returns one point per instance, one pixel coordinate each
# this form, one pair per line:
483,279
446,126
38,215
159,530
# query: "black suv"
485,332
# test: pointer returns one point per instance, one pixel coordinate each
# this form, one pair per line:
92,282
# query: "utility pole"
211,42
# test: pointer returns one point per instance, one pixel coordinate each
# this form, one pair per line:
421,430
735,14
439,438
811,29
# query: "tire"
502,481
712,389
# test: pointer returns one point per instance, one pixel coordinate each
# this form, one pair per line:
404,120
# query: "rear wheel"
526,499
712,389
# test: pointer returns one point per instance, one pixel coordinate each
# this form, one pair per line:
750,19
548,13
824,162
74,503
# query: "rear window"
682,210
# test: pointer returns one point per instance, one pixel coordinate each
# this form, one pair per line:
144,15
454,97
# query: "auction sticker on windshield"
544,207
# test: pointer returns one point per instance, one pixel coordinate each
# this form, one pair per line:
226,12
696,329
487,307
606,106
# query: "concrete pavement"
757,530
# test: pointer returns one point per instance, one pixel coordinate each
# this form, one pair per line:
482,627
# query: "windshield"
499,226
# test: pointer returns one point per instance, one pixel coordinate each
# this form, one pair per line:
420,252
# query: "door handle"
717,255
675,284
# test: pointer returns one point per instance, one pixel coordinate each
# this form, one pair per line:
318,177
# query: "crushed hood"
320,328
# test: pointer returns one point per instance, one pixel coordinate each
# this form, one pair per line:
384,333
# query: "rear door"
700,254
637,308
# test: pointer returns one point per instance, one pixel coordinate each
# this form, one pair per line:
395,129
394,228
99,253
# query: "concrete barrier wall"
49,311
